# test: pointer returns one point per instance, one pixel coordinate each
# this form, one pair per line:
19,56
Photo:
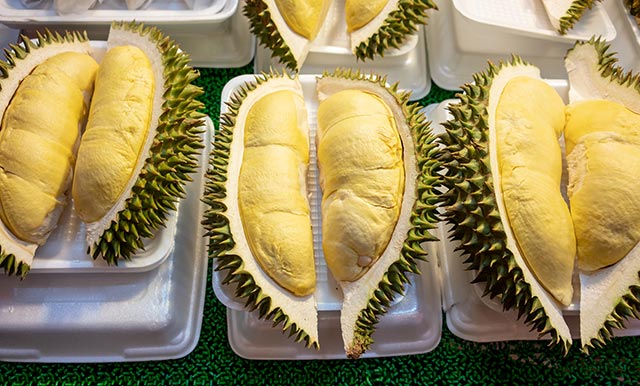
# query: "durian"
288,27
603,149
503,166
46,84
259,220
373,147
634,8
564,14
141,142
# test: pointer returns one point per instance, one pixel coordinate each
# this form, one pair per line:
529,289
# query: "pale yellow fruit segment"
303,16
40,129
362,180
529,120
360,12
117,129
603,146
274,208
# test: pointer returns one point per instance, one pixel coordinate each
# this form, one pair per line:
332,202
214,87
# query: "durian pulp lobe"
272,191
603,147
362,179
359,13
38,142
304,17
117,129
529,120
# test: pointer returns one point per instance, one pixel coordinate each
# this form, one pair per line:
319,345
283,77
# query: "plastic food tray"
217,36
412,325
115,316
406,65
452,64
524,17
475,317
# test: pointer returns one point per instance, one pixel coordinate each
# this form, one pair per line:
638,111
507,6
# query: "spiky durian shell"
634,7
573,14
21,58
471,208
217,220
399,24
267,33
423,215
172,156
600,78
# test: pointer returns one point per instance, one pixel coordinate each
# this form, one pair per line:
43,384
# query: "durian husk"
370,296
564,14
611,295
16,255
475,213
169,154
227,241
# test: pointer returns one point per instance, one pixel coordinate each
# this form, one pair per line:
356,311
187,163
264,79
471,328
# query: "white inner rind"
10,244
367,31
301,310
556,9
551,306
298,44
600,291
121,37
356,295
585,81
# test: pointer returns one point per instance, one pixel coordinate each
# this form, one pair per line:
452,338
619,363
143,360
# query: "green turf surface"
454,361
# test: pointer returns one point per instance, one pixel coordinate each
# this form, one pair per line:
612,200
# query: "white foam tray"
412,324
217,36
114,317
459,47
478,318
407,65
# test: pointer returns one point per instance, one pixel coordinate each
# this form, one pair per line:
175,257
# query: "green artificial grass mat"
454,361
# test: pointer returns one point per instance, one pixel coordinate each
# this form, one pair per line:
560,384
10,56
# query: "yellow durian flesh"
529,120
117,129
304,17
272,191
362,180
359,13
603,153
38,142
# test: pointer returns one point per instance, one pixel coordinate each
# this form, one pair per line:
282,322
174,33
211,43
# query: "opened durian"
141,141
376,157
259,220
603,155
288,27
45,88
378,174
503,169
564,14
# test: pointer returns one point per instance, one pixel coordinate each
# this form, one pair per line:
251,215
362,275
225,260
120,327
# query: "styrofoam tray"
170,11
529,18
413,320
631,22
112,317
475,317
212,39
408,65
452,62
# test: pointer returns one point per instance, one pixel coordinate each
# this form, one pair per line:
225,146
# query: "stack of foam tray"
464,34
71,308
215,34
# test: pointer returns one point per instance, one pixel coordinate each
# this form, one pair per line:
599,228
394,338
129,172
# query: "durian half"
603,154
503,167
378,172
46,84
288,27
564,14
142,141
259,221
